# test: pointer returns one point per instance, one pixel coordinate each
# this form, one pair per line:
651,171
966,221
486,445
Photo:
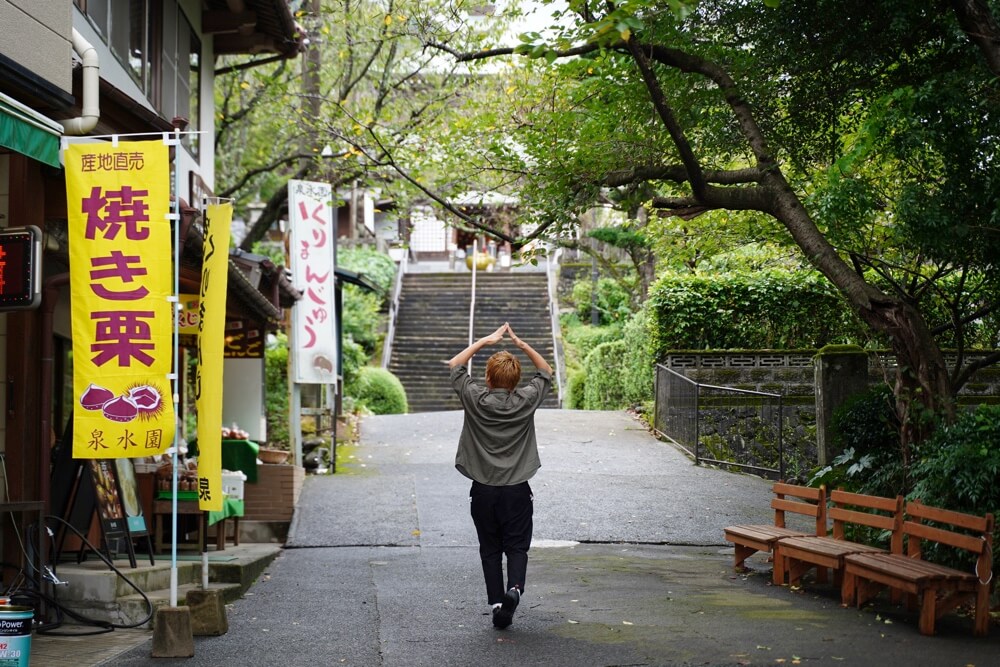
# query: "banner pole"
176,207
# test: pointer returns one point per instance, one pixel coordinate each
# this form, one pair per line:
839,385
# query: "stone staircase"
432,326
95,592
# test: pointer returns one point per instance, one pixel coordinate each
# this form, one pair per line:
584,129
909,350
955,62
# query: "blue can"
15,635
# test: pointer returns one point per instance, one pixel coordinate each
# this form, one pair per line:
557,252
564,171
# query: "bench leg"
778,572
982,626
847,589
740,554
927,612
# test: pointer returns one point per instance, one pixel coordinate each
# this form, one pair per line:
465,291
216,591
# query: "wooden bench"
939,589
749,539
794,556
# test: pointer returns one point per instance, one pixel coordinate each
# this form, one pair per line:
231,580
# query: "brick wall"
275,494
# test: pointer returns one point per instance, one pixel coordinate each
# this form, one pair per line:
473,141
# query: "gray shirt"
497,446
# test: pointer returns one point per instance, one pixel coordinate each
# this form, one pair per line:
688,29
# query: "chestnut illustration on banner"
145,400
95,397
120,409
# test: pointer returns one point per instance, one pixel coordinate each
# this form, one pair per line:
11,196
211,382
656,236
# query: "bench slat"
918,510
971,543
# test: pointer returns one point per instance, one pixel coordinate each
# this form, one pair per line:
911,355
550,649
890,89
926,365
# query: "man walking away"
499,453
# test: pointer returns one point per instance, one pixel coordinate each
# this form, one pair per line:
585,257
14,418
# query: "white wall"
243,396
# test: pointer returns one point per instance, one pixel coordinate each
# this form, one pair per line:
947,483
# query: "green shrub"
638,375
582,338
276,390
355,358
380,391
370,263
576,381
759,310
958,468
603,366
867,432
361,319
613,301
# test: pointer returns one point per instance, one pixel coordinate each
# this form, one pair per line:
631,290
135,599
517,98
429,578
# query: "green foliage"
761,310
613,301
960,465
362,317
370,263
582,338
576,384
276,390
380,391
621,237
958,470
603,366
355,358
867,432
638,366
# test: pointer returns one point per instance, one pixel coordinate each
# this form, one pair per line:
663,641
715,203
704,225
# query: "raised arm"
462,358
536,358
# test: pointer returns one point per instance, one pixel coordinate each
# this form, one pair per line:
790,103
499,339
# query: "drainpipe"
91,109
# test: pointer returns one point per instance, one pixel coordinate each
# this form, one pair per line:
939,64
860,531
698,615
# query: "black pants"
502,515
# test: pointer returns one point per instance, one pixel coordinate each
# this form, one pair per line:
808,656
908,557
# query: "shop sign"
121,283
311,251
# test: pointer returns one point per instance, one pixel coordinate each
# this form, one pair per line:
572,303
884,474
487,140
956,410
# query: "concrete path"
629,567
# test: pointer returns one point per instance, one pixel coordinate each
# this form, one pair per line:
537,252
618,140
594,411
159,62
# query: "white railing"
472,300
397,289
552,274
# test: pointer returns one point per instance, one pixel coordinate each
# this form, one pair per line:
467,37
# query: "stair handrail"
397,289
552,276
472,300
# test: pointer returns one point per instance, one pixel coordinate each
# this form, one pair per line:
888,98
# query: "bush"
867,431
957,469
760,310
613,300
576,382
380,391
372,264
582,338
276,390
638,375
355,358
603,366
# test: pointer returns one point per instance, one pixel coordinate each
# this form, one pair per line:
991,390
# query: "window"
125,26
181,72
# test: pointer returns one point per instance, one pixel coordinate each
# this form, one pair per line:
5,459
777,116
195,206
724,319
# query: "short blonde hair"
503,371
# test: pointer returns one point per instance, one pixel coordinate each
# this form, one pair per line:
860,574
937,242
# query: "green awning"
26,131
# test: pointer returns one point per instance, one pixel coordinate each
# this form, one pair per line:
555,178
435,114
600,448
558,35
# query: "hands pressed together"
465,355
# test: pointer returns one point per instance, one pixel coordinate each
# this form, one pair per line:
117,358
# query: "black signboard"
20,268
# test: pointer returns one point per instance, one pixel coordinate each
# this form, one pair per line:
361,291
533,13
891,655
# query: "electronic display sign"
20,268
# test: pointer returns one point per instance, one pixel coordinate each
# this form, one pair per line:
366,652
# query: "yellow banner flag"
211,344
121,277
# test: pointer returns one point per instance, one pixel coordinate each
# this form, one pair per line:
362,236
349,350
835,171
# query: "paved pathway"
629,568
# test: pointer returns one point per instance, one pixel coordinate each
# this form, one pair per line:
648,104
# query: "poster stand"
81,489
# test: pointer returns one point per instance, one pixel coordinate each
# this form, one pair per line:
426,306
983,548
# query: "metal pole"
472,300
595,315
176,206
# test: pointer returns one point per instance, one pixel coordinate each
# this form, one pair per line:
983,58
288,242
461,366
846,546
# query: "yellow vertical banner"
211,348
121,277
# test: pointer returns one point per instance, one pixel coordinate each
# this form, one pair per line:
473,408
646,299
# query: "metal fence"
721,425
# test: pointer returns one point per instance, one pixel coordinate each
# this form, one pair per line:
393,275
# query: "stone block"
208,613
172,637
